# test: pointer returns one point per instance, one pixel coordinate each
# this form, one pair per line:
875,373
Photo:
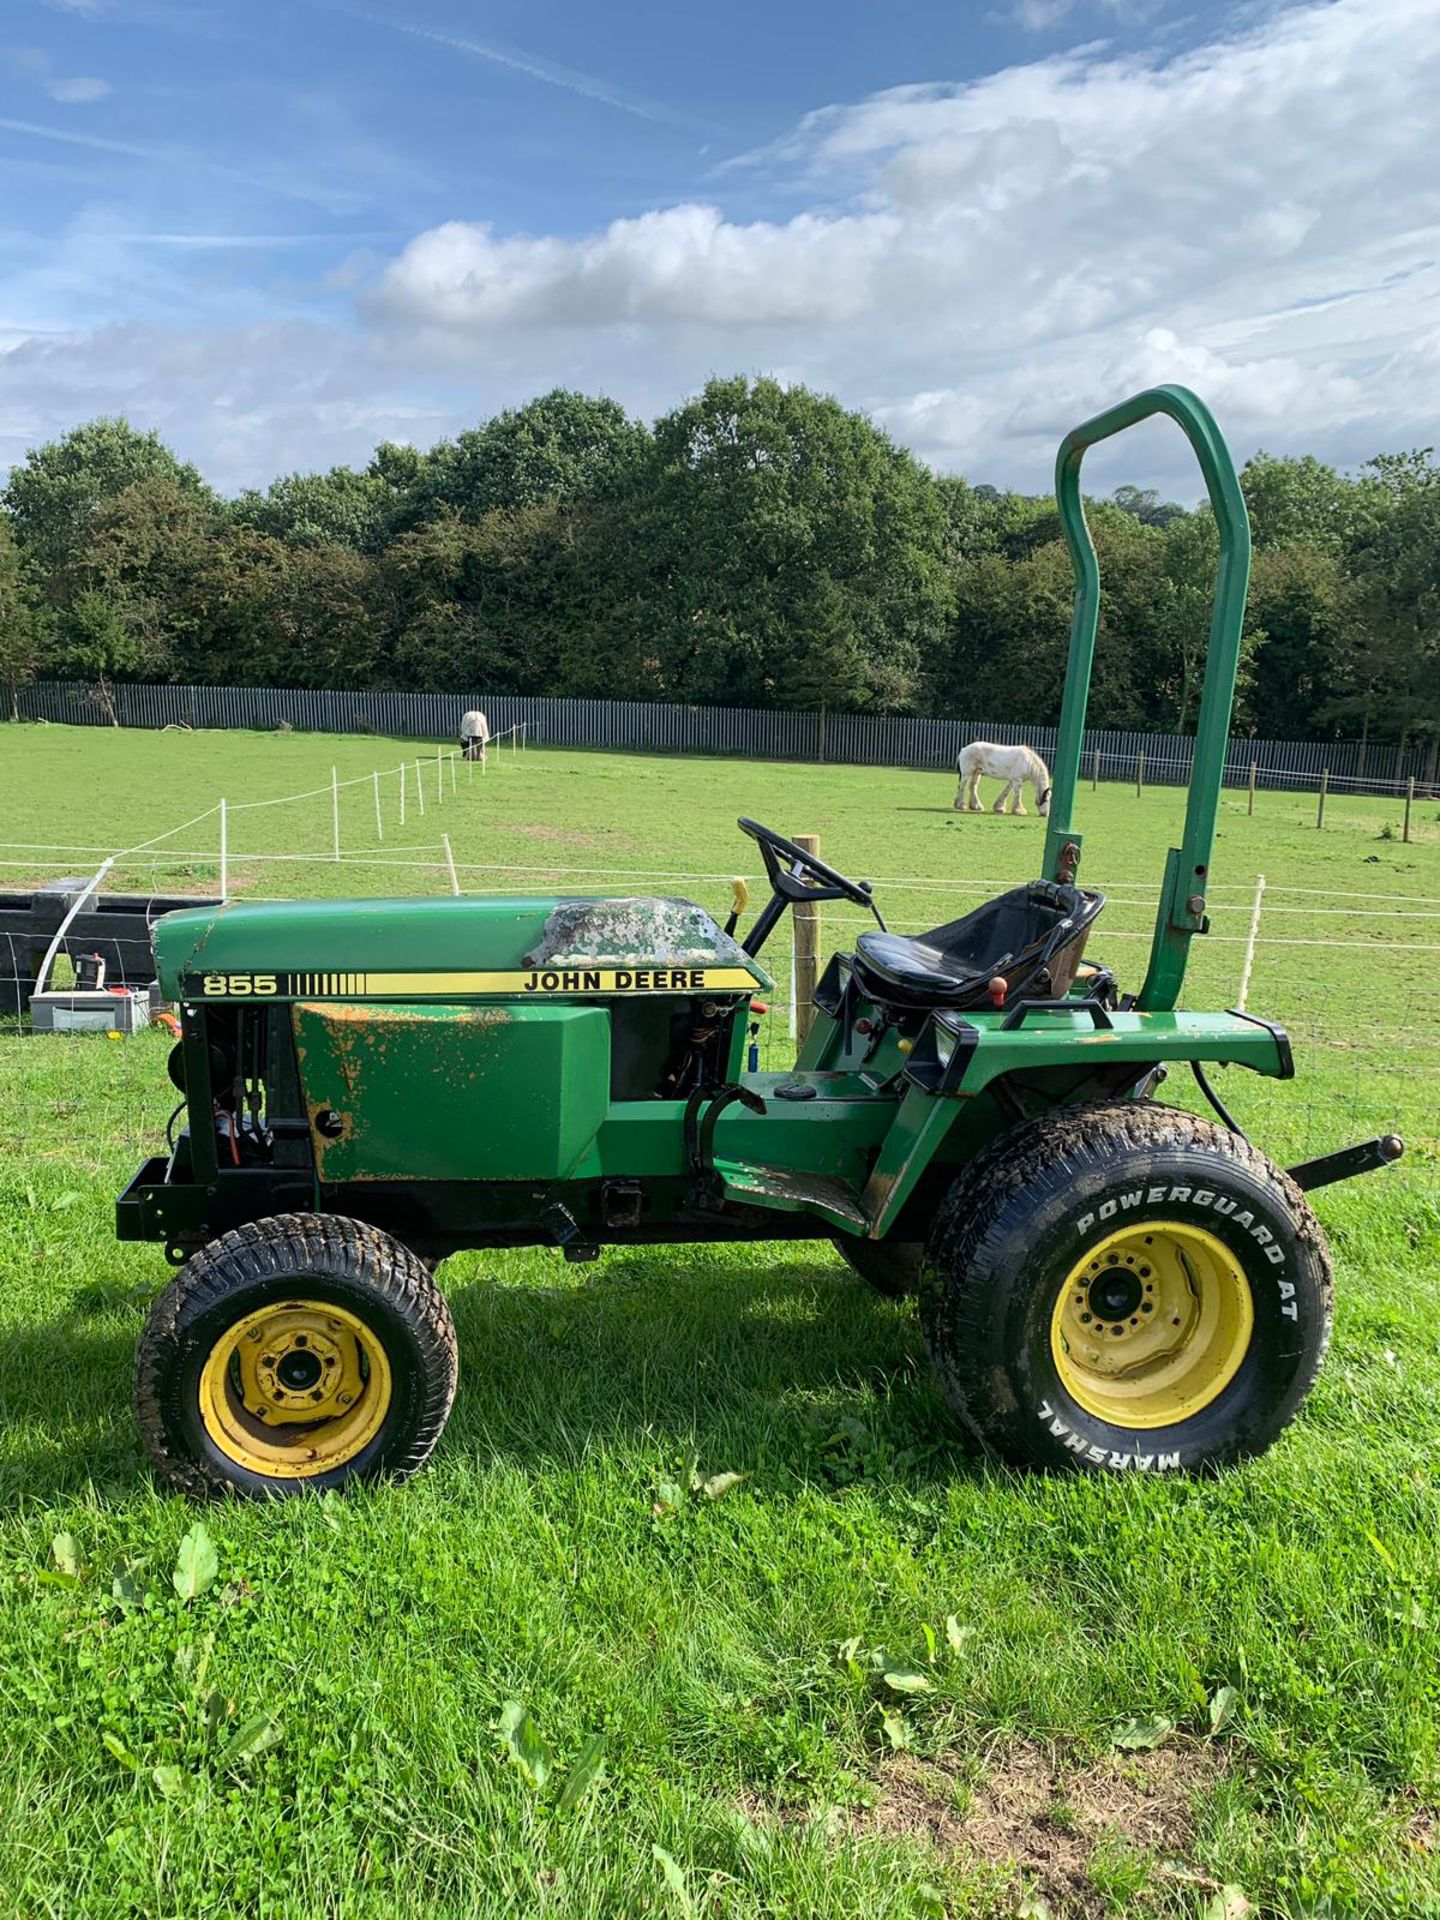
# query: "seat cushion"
912,966
1032,936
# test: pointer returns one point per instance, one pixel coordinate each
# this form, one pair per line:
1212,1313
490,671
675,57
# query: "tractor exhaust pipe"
1344,1165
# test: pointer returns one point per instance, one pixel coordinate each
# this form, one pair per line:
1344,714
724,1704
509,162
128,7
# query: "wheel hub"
295,1388
1152,1325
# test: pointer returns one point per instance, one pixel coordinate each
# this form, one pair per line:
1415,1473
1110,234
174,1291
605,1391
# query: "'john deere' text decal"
448,986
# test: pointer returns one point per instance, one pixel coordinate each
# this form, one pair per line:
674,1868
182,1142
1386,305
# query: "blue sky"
282,232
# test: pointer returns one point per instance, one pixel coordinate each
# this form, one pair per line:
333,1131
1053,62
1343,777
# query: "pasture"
879,1676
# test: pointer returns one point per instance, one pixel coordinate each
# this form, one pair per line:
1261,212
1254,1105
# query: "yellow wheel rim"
1152,1325
295,1389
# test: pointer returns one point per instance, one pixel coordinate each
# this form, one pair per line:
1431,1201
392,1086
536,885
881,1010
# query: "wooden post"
379,817
1253,771
807,951
1139,774
439,776
1324,789
450,863
1409,803
225,847
1095,770
420,788
402,793
335,808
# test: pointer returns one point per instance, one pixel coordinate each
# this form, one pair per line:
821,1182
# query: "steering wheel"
782,857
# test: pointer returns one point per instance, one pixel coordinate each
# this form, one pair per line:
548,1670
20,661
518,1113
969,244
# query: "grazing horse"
1013,765
474,735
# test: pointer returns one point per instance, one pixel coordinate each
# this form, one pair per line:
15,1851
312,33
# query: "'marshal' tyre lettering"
1221,1203
1102,1456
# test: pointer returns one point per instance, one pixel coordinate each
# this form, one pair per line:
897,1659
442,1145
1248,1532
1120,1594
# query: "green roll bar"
1181,912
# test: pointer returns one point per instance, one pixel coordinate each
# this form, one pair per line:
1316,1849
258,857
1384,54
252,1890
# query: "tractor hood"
448,949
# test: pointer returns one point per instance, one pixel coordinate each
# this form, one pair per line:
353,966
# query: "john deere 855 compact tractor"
1105,1282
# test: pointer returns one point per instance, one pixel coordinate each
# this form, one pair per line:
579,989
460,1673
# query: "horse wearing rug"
474,735
1014,765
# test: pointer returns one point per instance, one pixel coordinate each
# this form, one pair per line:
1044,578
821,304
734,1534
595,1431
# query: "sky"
282,231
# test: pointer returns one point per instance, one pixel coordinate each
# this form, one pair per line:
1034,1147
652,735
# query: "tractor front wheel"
1126,1287
294,1354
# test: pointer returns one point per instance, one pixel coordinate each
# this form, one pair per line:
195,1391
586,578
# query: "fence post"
1250,943
1409,803
439,777
1254,769
420,789
1324,789
1139,773
402,793
335,808
225,851
454,776
1095,770
379,818
807,951
450,863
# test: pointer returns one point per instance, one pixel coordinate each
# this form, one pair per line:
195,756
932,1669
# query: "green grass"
707,1641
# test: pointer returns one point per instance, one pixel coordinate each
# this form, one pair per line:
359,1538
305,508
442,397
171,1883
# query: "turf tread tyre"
365,1268
970,1284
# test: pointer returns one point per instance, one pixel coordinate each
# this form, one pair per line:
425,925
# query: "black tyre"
891,1267
294,1355
1126,1287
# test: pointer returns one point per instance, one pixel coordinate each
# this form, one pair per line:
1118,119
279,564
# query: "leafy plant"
197,1565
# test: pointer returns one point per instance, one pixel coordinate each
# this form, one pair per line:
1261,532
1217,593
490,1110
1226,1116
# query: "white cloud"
980,264
977,261
35,65
77,92
685,264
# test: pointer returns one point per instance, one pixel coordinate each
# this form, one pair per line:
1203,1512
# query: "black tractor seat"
1032,938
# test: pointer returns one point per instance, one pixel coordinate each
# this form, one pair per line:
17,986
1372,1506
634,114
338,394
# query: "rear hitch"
1365,1157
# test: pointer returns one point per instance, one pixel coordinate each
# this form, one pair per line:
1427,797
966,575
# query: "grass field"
315,1733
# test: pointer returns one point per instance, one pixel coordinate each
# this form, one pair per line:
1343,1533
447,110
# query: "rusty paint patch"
368,1014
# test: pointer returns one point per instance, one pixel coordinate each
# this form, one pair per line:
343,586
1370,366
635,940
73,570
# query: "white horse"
1013,765
474,735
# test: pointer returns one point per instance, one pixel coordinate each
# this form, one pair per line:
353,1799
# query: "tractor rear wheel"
891,1267
295,1354
1126,1287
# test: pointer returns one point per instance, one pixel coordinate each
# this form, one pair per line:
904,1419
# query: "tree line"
760,545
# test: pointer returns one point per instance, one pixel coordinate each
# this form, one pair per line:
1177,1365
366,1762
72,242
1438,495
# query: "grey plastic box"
89,1012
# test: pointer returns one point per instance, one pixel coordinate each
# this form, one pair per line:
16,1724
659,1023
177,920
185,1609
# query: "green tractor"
1104,1282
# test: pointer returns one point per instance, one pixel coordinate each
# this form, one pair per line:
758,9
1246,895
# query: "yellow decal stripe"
540,981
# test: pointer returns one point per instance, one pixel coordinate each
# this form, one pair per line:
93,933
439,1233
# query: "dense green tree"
563,447
1390,673
56,491
1300,498
764,497
762,546
1147,506
1303,607
23,625
339,508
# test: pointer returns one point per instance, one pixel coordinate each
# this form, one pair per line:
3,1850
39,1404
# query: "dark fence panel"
854,739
